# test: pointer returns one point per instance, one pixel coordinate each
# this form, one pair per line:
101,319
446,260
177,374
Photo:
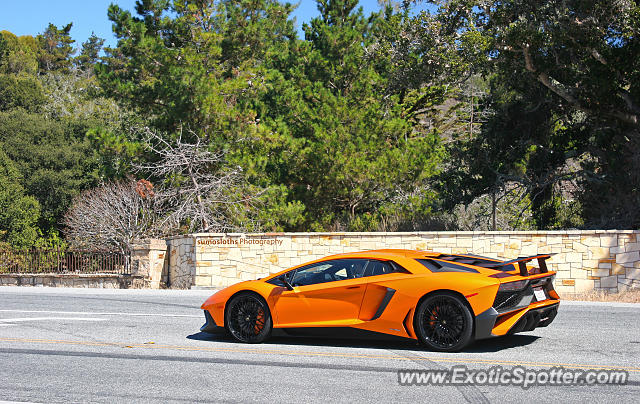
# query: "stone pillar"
148,262
181,266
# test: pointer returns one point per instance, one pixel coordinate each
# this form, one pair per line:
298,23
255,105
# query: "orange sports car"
443,300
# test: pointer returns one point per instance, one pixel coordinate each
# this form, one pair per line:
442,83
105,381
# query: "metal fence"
39,260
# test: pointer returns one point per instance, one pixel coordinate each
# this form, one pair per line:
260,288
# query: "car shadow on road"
501,343
310,340
375,342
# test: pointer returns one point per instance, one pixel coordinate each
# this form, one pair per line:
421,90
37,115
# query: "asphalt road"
70,345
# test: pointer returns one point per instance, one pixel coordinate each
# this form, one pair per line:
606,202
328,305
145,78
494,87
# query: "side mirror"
285,281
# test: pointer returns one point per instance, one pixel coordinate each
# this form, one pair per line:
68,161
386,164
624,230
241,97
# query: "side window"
383,267
329,271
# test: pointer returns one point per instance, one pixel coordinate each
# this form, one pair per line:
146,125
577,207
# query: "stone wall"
585,260
107,281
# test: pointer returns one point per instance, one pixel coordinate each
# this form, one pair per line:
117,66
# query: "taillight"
513,286
547,280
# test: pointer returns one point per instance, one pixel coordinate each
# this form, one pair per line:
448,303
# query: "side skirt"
342,332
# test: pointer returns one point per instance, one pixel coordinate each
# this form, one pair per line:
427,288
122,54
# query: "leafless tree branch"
114,215
198,182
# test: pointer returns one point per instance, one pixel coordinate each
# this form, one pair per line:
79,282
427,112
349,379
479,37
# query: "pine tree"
89,53
56,48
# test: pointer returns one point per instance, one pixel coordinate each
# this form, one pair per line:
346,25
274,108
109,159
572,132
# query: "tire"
248,319
444,323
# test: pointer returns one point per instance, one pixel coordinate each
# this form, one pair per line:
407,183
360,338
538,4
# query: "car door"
327,293
380,276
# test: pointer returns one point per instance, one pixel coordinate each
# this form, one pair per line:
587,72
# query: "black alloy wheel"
248,318
443,322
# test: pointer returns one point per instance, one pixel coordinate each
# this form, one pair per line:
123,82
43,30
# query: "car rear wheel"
248,318
444,323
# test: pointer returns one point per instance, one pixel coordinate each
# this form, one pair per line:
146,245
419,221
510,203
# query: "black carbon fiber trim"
383,305
485,322
512,300
444,266
210,325
501,275
523,268
540,317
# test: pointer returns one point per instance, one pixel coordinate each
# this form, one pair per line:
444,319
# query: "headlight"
512,286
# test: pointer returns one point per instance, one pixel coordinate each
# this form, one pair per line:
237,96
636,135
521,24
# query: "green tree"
18,55
518,153
53,158
56,48
20,92
191,69
4,47
565,91
44,120
89,53
190,62
18,212
339,141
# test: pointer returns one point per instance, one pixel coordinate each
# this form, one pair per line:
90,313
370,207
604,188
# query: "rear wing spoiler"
522,263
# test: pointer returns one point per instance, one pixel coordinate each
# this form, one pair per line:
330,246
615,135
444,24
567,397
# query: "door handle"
353,287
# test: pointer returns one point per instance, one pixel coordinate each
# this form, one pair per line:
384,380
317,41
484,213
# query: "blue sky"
30,17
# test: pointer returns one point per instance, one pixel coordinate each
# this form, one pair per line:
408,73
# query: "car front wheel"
248,318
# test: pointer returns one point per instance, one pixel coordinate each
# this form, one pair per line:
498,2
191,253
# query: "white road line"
102,313
16,320
17,402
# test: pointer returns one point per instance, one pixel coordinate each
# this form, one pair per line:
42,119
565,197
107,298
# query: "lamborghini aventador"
445,301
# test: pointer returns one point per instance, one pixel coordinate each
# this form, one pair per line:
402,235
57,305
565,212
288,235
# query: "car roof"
480,264
391,253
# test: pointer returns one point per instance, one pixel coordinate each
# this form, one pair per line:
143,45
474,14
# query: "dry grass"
627,296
